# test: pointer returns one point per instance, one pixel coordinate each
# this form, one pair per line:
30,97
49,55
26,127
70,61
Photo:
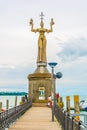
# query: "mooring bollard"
7,104
76,106
0,106
15,101
68,104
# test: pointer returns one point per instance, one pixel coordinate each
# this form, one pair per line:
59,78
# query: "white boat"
83,105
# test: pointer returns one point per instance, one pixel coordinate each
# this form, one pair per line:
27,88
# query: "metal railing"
67,121
9,116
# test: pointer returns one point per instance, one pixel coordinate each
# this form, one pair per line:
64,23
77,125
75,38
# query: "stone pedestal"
40,84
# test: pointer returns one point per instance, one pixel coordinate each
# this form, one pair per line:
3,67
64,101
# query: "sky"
66,45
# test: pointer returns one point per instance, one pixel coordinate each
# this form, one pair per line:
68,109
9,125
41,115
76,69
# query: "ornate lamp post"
52,65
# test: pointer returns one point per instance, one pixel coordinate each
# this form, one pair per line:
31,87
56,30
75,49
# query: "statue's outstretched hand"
31,21
52,22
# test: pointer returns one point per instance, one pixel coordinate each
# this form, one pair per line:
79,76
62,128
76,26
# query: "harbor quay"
36,118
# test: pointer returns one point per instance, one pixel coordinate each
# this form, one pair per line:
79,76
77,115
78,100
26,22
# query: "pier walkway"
36,118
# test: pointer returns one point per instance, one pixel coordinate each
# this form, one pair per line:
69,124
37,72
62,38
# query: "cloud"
73,49
11,75
7,66
73,65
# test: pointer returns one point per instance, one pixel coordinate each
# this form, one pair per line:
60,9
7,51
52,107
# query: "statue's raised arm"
51,24
31,24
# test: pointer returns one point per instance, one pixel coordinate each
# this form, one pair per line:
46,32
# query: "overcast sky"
67,45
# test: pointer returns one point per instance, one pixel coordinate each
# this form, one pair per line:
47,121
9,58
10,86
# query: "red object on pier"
58,95
2,110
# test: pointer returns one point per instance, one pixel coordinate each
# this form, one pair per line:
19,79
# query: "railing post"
85,120
0,122
64,120
72,122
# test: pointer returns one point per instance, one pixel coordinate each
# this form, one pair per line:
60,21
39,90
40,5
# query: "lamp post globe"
59,75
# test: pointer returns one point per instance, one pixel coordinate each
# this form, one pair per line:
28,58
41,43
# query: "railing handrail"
66,118
81,122
10,115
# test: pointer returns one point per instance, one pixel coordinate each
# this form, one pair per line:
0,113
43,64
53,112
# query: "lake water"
11,101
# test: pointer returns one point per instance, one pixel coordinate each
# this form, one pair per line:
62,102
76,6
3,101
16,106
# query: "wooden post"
7,104
15,101
22,100
76,106
0,106
68,104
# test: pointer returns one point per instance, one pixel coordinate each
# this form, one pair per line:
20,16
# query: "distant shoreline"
13,93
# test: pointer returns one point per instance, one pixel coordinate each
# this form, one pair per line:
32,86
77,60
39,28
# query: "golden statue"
42,39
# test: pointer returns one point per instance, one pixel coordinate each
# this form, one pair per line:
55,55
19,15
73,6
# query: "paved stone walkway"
36,118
